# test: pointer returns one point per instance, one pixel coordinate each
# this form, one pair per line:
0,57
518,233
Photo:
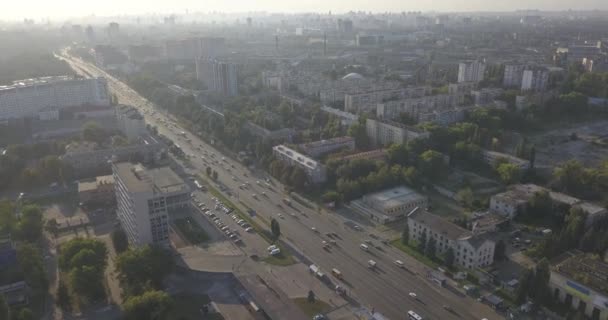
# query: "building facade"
25,98
99,190
131,122
384,133
145,197
318,148
315,171
365,101
535,79
470,251
218,76
471,71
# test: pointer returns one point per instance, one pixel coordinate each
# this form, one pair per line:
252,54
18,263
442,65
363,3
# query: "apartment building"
535,79
390,205
346,118
384,133
471,71
145,197
463,88
318,148
218,76
374,155
315,171
417,106
579,281
485,96
470,251
25,98
366,101
513,75
131,122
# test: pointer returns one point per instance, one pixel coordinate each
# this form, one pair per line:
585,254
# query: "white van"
364,247
399,263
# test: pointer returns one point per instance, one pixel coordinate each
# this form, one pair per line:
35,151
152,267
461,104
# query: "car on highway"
371,264
364,247
314,230
248,229
399,263
280,215
413,295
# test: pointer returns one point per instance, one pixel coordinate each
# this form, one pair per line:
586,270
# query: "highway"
385,288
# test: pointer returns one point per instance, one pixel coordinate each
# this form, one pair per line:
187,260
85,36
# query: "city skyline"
62,9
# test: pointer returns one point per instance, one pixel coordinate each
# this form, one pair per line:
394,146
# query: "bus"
411,315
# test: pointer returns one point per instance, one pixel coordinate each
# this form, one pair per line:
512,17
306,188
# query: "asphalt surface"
386,288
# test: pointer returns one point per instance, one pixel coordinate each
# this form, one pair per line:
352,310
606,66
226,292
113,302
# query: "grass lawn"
191,230
187,307
311,309
414,253
280,259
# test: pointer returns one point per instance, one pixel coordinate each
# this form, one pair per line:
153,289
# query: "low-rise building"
470,251
390,205
492,157
384,133
145,197
580,281
417,106
318,148
99,190
315,171
86,157
374,155
516,199
366,101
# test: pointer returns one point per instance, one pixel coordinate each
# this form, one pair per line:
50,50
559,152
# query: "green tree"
499,251
78,250
422,242
30,263
208,170
4,309
509,173
119,141
142,268
524,287
150,305
298,178
120,241
431,248
91,131
63,297
52,227
214,175
311,297
275,229
25,314
448,259
432,165
330,196
465,197
30,223
87,282
405,234
359,133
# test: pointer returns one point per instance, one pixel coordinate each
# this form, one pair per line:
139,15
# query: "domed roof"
353,76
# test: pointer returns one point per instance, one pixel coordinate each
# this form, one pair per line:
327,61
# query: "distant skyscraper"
218,76
471,71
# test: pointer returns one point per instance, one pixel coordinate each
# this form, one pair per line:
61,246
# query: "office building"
25,98
315,171
384,133
131,122
390,205
580,281
471,71
218,76
318,148
99,190
145,197
470,251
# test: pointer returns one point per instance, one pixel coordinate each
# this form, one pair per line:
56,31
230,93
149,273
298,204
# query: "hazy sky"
18,9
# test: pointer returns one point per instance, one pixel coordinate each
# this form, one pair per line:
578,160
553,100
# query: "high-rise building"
535,79
471,71
25,98
144,198
513,75
218,76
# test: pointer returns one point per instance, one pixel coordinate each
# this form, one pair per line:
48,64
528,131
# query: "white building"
346,118
471,71
579,281
25,98
365,101
130,122
384,133
417,106
315,171
491,158
318,148
218,76
470,251
145,197
390,205
513,75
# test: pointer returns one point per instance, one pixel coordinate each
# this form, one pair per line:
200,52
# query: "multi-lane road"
385,288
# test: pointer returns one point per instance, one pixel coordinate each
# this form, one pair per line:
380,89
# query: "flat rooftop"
91,184
440,225
584,269
138,178
296,156
394,197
